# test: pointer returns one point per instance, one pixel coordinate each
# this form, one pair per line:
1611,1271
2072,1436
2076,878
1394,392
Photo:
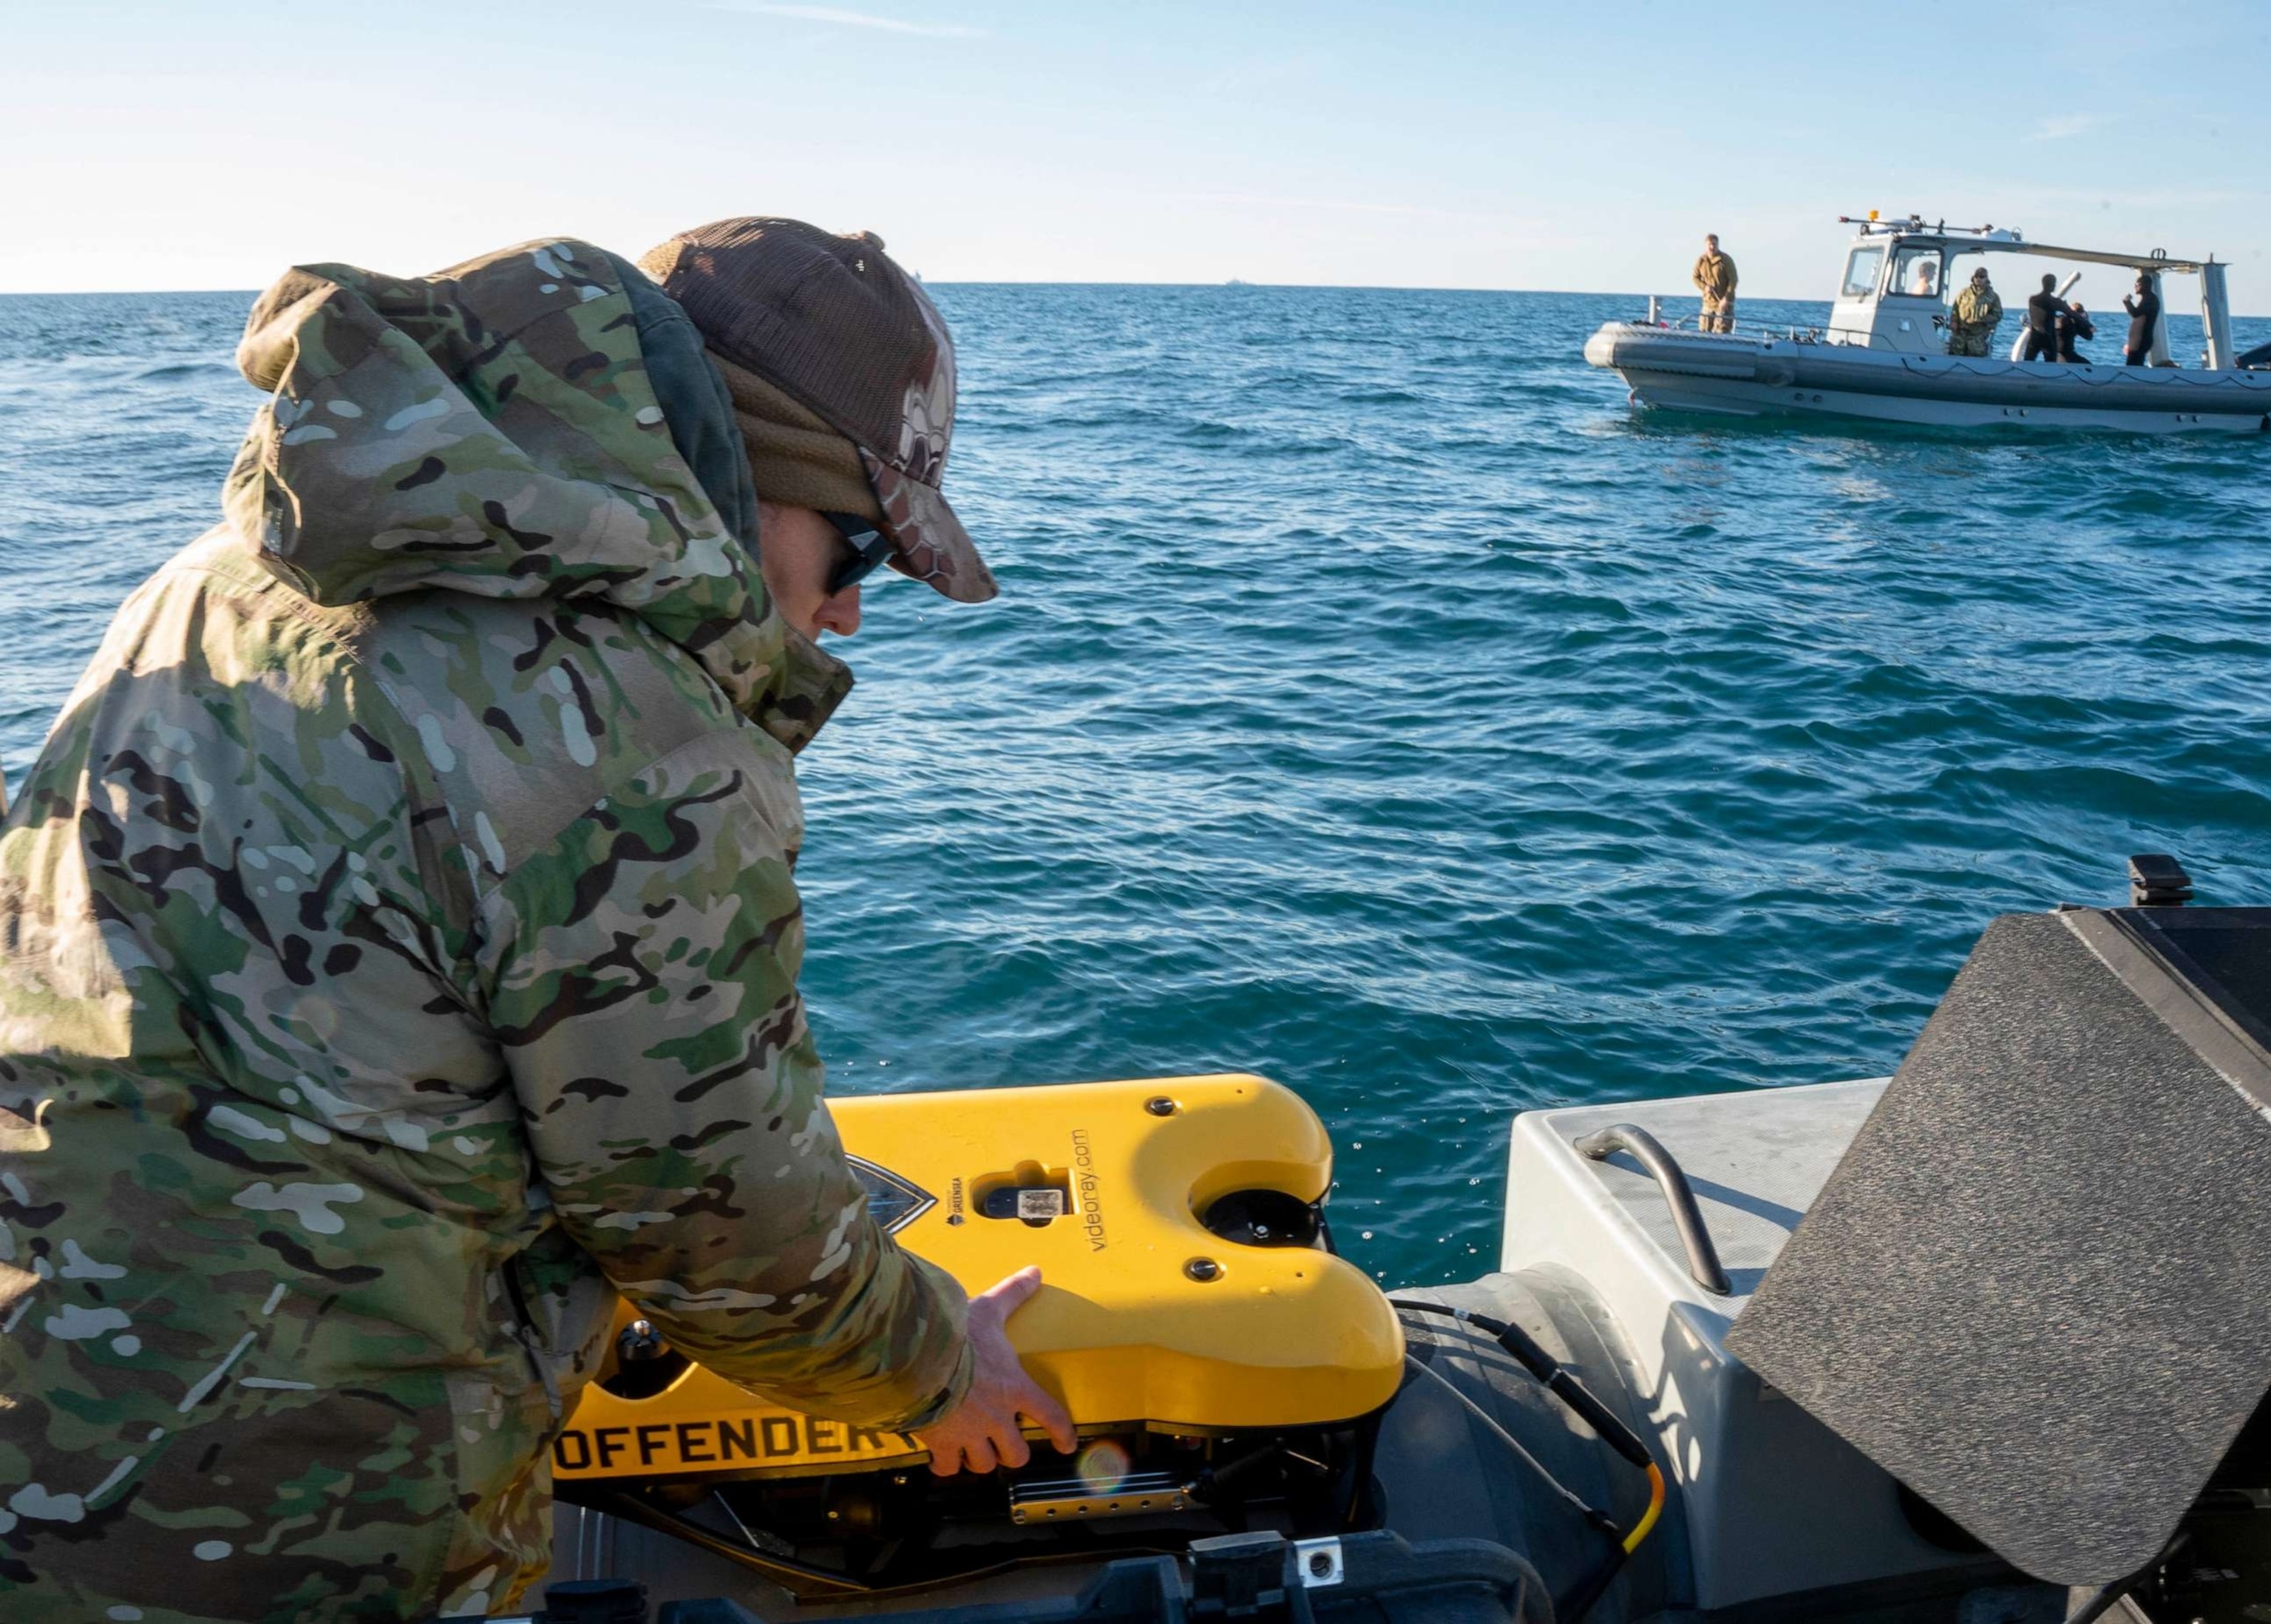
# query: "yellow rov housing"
1185,1287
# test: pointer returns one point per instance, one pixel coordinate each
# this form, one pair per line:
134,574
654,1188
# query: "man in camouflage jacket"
1715,279
401,953
1978,312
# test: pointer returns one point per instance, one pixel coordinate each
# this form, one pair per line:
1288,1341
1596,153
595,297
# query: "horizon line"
1352,288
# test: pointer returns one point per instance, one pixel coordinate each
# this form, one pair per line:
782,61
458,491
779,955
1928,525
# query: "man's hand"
981,1432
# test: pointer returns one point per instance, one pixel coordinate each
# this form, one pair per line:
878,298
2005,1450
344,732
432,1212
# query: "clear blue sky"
199,145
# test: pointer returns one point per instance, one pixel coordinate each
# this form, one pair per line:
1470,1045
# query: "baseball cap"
837,326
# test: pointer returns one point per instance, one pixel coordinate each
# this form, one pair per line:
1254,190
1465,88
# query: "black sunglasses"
868,546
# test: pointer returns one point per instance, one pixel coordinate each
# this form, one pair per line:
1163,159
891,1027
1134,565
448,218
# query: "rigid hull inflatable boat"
1976,1344
1884,353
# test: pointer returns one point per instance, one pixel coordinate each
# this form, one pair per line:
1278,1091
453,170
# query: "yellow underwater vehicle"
1980,1343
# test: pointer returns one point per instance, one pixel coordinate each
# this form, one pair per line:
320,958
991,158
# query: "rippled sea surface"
1374,701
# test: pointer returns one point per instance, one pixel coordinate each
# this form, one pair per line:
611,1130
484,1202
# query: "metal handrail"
1784,332
1702,1257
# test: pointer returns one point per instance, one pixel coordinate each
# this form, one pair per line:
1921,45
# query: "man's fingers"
986,1423
976,1455
1037,1404
1014,1292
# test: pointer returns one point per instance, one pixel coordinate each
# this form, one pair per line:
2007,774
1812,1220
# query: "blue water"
1375,702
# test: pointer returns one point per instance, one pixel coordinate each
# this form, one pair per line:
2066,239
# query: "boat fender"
1682,360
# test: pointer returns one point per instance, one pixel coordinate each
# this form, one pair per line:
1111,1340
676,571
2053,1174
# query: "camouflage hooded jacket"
1979,307
400,951
1715,275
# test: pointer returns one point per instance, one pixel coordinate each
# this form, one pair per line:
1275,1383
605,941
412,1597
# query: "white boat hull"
1738,376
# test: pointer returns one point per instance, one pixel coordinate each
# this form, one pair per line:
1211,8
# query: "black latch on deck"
1240,1576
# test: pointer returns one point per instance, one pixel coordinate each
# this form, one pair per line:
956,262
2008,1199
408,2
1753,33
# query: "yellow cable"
1655,1509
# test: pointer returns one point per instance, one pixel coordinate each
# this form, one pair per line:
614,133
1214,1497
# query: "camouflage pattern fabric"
839,328
1714,277
1978,312
400,957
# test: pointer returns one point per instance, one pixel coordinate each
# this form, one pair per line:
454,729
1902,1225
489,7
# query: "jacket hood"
496,430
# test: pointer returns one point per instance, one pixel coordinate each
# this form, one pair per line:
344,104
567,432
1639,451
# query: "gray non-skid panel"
2038,1288
1755,1161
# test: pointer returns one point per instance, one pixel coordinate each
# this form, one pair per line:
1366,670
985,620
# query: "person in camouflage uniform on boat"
1978,312
1715,280
401,949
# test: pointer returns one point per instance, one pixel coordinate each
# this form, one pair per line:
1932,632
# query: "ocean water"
1374,701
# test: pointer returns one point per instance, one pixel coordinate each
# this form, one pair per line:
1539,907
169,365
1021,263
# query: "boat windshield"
1916,272
1861,271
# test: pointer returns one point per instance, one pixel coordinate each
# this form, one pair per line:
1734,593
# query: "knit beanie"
795,458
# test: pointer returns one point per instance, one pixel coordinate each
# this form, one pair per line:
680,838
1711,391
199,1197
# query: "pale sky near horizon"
198,144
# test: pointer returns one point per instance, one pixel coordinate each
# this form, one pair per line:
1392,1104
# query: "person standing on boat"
2144,318
2044,310
2073,325
1978,312
403,950
1715,279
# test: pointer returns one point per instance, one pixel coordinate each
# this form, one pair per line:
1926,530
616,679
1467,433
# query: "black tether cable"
1590,1514
1534,1359
1526,1352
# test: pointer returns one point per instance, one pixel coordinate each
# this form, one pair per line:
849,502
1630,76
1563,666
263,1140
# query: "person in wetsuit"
2073,324
2043,312
2144,318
